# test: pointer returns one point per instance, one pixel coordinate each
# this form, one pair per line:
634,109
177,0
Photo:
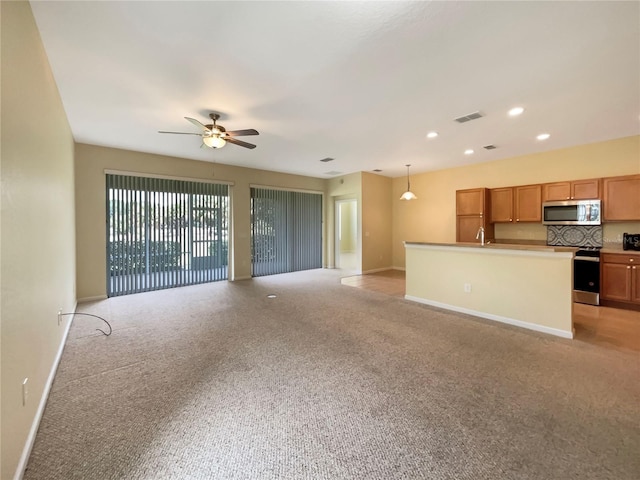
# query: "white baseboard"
510,321
97,298
402,269
31,438
242,278
376,270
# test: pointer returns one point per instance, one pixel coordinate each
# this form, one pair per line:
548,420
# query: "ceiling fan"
216,136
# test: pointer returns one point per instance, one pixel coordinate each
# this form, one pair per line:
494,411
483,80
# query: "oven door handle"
587,259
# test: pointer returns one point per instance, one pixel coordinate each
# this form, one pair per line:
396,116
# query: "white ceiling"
361,82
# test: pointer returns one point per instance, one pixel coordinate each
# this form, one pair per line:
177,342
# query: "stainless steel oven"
586,276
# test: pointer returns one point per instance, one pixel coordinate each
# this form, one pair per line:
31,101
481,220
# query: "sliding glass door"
286,231
164,233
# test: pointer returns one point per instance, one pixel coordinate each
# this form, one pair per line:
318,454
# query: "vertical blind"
164,233
286,231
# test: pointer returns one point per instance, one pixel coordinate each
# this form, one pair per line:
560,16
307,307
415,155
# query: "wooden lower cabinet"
620,278
467,227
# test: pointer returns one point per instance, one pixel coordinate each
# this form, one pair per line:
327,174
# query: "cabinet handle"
568,198
628,267
631,259
511,219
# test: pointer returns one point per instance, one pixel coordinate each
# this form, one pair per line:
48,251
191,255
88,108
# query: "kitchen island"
528,286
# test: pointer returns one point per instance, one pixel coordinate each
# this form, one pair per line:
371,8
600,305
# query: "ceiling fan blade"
241,133
240,142
182,133
197,123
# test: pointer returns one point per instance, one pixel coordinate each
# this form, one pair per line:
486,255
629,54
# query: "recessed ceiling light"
468,151
432,134
515,111
543,136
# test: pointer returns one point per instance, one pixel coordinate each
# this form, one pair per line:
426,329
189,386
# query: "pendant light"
408,195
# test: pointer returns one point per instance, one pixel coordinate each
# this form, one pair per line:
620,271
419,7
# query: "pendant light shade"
408,195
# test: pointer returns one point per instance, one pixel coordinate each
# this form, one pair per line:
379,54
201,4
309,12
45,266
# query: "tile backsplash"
574,235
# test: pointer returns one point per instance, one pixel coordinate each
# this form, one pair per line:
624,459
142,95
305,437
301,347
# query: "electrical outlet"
467,288
25,391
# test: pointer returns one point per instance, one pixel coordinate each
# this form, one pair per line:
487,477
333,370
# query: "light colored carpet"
326,381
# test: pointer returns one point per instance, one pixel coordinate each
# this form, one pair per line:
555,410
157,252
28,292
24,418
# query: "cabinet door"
622,198
467,228
528,203
501,205
635,284
615,282
585,189
470,202
553,192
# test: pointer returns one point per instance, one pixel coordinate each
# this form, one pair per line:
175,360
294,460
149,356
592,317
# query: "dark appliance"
571,212
586,276
631,241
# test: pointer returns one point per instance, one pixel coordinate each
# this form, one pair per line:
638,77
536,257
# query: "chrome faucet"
480,235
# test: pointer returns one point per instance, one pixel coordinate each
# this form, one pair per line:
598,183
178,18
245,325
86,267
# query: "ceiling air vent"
377,170
328,159
333,173
489,147
467,118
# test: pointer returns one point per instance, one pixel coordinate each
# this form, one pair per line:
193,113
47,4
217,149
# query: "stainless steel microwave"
571,212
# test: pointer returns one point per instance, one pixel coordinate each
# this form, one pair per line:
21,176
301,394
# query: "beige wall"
376,222
432,217
37,225
91,163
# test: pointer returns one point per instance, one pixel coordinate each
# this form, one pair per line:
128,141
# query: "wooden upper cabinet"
576,190
621,199
553,192
472,201
586,189
502,205
528,202
472,207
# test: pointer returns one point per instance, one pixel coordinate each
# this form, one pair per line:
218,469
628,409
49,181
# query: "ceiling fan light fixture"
408,195
214,141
